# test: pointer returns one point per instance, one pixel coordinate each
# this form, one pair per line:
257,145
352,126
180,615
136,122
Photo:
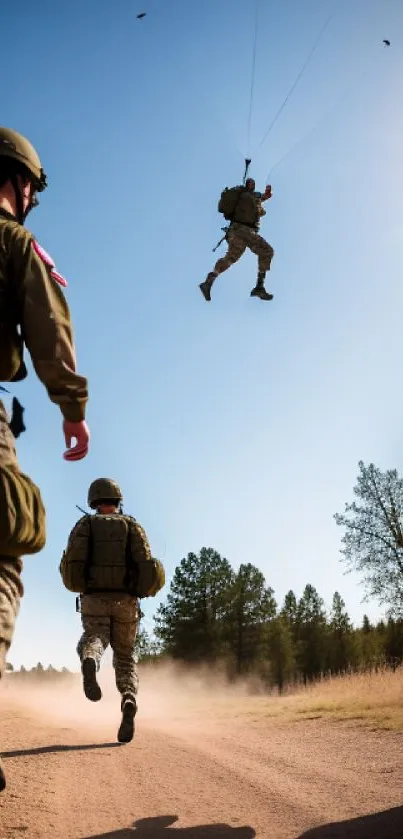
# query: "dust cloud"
167,692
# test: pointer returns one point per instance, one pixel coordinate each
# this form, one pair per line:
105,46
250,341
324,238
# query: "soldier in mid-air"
242,207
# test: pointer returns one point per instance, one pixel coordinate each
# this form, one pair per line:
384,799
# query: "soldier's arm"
139,542
267,194
47,327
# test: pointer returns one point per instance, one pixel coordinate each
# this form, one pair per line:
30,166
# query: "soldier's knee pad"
23,517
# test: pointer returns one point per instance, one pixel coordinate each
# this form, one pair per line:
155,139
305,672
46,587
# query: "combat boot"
205,287
90,684
126,729
259,290
2,777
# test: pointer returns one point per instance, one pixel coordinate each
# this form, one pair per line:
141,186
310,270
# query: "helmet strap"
18,198
21,213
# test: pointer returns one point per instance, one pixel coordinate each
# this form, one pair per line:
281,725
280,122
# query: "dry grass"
374,699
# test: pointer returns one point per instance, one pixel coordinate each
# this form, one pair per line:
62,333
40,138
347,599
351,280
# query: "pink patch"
47,259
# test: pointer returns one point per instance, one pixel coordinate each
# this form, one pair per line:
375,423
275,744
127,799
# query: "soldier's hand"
80,432
268,192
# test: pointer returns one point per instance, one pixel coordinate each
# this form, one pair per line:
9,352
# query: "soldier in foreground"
108,562
34,313
242,207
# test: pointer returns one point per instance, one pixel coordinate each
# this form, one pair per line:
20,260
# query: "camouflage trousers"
11,588
111,619
240,237
22,531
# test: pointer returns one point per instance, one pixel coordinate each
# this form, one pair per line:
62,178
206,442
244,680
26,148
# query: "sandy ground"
198,768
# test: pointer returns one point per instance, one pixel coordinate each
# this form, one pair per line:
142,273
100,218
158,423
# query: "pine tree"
251,607
341,649
281,651
311,631
191,624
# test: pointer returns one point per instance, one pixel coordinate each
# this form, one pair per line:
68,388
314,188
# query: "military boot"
2,777
259,290
205,287
126,729
90,684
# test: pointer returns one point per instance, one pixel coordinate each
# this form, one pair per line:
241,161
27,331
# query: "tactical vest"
100,558
239,205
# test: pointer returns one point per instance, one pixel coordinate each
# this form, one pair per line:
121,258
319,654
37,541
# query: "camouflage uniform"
111,619
102,560
240,237
34,312
39,306
11,588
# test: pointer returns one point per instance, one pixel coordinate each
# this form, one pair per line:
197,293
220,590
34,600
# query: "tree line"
213,613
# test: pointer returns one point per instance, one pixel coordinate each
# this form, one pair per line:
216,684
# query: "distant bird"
387,43
142,14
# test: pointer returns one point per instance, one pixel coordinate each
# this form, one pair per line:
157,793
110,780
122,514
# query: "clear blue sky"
237,424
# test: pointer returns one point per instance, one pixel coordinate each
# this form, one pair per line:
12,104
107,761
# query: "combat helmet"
103,489
21,158
13,145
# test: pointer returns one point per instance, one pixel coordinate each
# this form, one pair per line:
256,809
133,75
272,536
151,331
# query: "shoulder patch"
47,259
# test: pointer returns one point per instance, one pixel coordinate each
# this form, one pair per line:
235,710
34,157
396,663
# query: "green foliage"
191,625
214,613
250,607
311,633
281,651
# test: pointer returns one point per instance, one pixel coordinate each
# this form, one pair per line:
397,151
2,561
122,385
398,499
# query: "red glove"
268,193
80,432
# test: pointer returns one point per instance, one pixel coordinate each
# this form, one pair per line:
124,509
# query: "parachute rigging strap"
247,164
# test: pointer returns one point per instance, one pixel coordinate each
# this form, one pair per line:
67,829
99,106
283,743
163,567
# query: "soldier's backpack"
239,205
229,200
110,553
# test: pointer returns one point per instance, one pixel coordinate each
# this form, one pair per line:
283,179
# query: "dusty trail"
194,767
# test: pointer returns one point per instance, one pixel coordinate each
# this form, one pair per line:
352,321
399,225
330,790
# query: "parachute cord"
247,164
340,98
299,76
252,83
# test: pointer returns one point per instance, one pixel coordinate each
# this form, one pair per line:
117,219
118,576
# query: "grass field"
374,699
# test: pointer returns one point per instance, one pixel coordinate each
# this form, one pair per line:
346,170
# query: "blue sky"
238,424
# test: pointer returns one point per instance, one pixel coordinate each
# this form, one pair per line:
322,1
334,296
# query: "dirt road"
192,768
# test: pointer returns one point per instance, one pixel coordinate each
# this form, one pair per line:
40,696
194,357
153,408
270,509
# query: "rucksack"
229,200
110,553
239,205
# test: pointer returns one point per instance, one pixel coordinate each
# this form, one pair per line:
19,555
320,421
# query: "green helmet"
103,489
17,147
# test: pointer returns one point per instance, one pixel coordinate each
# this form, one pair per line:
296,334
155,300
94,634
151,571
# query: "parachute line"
252,82
339,98
298,78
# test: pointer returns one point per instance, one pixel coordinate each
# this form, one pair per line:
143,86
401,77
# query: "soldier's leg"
11,590
96,622
22,530
123,637
236,247
265,254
